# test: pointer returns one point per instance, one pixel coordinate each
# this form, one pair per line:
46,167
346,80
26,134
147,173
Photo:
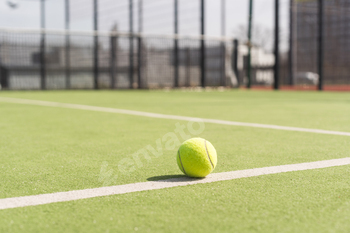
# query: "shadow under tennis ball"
173,178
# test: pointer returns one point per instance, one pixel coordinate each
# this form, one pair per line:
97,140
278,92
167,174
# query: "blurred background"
100,44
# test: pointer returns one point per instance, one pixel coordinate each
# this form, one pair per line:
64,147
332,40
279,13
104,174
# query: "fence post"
235,61
42,48
139,48
67,44
139,61
188,66
291,43
223,49
320,44
112,58
116,71
96,71
176,44
131,44
203,52
4,77
249,43
276,67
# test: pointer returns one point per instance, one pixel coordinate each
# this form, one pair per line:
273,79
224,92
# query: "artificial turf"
46,149
327,110
306,201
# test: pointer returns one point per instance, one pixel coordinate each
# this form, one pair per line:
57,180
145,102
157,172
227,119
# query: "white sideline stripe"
164,116
15,202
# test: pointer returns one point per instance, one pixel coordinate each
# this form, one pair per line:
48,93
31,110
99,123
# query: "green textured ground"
46,149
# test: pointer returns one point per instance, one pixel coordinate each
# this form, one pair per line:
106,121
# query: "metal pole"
42,48
235,61
139,49
276,68
176,44
188,67
202,56
223,18
249,43
112,59
223,33
291,44
131,45
320,44
67,45
96,71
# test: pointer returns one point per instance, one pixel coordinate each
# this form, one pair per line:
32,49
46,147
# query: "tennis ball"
196,157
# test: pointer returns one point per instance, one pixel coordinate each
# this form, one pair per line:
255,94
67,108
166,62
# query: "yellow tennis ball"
196,157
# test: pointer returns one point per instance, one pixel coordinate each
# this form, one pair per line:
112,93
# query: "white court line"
15,202
164,116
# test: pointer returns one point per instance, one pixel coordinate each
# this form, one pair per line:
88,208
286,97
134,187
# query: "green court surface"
49,149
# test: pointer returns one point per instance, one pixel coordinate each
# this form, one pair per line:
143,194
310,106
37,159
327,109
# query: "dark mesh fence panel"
55,61
81,57
306,43
336,42
189,63
20,60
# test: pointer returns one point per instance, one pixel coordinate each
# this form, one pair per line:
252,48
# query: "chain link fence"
151,65
308,49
